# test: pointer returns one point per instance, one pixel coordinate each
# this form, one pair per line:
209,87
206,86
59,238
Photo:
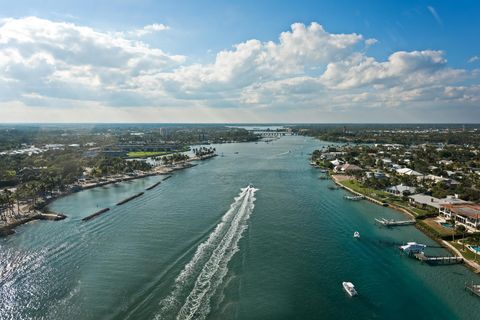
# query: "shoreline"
42,213
473,266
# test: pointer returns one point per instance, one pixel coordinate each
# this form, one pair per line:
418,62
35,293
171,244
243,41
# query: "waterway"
202,246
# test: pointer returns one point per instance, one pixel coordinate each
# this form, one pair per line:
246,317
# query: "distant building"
331,155
336,162
377,175
408,172
347,168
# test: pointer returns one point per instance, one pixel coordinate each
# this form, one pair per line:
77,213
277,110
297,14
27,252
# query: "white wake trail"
200,278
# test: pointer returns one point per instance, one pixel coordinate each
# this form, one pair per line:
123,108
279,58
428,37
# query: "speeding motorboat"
349,288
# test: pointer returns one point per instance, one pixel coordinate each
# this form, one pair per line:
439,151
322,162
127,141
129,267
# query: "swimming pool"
447,225
475,248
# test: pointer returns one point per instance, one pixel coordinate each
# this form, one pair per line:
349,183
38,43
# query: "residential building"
466,214
423,201
401,189
408,172
347,168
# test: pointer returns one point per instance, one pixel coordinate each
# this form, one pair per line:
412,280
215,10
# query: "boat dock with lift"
393,223
473,288
434,260
354,198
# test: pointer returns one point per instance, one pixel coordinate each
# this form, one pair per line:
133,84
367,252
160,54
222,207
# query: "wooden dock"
433,260
354,198
96,214
393,223
473,288
129,199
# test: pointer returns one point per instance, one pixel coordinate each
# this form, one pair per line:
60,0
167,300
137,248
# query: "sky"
240,61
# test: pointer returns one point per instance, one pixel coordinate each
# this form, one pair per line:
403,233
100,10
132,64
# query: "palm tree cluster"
176,157
203,151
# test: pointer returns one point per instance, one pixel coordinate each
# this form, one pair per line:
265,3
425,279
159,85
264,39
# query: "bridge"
266,133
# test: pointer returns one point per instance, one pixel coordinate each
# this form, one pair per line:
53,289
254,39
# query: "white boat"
413,247
349,288
356,234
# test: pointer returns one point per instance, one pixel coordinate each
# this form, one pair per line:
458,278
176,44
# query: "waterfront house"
467,214
424,201
400,190
336,162
377,175
347,168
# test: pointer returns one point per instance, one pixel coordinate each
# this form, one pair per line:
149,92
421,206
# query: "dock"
96,214
354,198
473,288
434,260
167,177
129,199
153,186
393,223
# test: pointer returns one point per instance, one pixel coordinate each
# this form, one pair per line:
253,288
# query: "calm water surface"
200,247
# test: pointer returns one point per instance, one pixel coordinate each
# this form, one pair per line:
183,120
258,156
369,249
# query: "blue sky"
224,61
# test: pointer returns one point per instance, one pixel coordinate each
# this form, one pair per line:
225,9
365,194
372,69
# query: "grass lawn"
357,186
383,196
439,230
144,154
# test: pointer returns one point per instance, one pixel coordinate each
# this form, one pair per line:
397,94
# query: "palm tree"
453,223
3,209
9,201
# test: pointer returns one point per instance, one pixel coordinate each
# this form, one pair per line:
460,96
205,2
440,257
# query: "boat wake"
204,274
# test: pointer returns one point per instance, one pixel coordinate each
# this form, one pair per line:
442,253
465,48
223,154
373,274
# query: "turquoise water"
198,246
447,225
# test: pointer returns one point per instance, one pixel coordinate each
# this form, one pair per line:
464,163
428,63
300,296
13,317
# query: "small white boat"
349,288
356,234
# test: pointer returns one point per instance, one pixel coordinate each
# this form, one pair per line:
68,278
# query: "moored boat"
349,288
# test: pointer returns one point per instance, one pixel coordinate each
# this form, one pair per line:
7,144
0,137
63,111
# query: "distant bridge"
264,133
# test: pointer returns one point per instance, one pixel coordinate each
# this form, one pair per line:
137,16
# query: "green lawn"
144,154
383,196
357,186
467,253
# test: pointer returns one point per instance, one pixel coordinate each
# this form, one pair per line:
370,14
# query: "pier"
96,214
433,260
354,198
393,223
153,186
129,199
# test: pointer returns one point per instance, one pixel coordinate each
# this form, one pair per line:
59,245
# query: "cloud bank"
307,74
